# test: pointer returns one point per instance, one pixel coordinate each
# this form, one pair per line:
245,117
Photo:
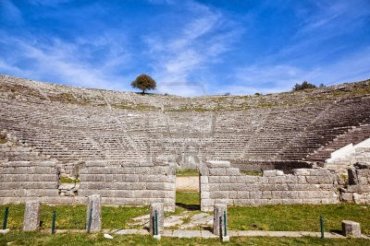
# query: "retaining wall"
129,184
222,183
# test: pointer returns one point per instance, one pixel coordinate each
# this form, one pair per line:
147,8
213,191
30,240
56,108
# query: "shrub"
305,85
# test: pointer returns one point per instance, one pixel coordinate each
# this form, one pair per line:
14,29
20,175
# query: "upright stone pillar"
31,220
220,221
351,228
156,220
93,218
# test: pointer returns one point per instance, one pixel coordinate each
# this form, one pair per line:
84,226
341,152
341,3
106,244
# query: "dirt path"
190,183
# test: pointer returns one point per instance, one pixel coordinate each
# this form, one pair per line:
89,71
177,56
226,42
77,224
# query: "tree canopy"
305,85
144,82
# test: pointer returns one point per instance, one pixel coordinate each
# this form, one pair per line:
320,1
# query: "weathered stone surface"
351,228
121,144
93,216
31,220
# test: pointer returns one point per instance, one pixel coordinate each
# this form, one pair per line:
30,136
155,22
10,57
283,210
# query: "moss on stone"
3,139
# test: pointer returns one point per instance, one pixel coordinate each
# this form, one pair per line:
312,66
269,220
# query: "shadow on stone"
336,231
191,207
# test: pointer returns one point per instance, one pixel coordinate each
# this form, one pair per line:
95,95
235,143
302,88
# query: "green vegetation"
252,172
74,216
304,86
65,239
3,139
118,217
277,217
186,200
68,180
298,217
138,107
285,217
144,82
187,172
68,98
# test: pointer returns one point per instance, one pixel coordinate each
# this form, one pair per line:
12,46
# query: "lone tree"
305,85
144,82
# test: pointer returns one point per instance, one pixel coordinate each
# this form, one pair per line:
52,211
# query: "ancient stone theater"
310,146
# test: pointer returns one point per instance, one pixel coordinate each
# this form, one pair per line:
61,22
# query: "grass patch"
3,139
34,238
118,217
271,217
68,180
252,172
138,106
298,217
186,200
73,216
187,172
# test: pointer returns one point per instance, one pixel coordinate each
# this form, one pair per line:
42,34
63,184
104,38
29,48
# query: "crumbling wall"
134,185
221,182
358,188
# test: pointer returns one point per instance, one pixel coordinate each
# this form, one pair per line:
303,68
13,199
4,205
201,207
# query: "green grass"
298,217
271,217
186,200
74,217
252,172
187,172
68,180
118,217
65,239
285,217
3,139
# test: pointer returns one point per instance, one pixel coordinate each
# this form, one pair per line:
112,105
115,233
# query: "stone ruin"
127,147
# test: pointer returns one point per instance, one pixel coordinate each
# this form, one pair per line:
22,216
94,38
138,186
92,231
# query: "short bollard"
156,220
93,216
31,220
54,217
220,222
6,215
351,228
322,227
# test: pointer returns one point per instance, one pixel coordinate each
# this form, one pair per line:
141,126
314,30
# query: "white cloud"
65,62
271,78
197,45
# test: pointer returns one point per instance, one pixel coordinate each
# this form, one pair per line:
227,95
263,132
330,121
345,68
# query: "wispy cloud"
191,50
277,78
189,47
10,12
66,62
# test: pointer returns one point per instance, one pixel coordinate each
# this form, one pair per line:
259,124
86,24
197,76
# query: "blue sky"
189,47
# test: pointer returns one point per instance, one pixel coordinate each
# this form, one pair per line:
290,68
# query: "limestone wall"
221,182
129,184
358,188
25,174
74,124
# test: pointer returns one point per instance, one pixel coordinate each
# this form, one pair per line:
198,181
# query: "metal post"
220,226
89,221
53,222
5,221
225,224
322,226
155,229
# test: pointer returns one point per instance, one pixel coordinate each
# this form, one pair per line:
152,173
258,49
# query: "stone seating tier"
73,125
